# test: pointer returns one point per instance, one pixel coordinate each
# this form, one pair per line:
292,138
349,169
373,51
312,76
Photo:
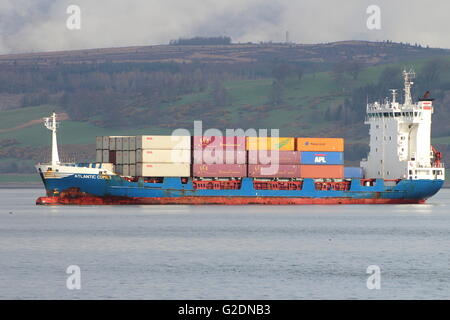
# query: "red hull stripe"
90,200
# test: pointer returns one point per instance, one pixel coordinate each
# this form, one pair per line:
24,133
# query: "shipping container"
119,157
163,142
320,144
112,143
220,156
219,170
269,143
125,143
132,143
99,143
132,170
132,156
126,157
353,173
105,143
218,142
105,156
126,170
99,156
163,169
163,156
274,170
321,171
119,143
321,157
273,156
112,156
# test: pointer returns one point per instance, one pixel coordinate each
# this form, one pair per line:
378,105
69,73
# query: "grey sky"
40,25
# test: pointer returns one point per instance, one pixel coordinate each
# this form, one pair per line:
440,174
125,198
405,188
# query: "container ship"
402,167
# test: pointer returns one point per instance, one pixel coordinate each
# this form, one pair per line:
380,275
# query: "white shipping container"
99,156
99,143
105,156
132,170
132,157
125,143
126,170
105,143
119,157
163,170
163,142
132,143
112,143
163,156
119,143
126,157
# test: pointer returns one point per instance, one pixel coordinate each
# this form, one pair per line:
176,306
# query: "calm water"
258,252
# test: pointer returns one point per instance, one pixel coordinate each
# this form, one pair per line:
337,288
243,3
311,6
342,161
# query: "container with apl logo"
317,157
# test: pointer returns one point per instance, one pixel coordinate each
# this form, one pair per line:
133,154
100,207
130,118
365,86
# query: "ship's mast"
51,124
408,76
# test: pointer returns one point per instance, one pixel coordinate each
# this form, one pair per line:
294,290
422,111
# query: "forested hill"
304,90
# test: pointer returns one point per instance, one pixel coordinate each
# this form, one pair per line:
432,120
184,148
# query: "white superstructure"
400,138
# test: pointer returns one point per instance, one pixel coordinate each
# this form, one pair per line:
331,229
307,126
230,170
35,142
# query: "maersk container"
273,156
353,173
163,156
218,142
119,157
321,157
99,156
219,156
270,143
321,171
320,144
274,170
105,143
99,143
163,169
105,156
163,142
219,170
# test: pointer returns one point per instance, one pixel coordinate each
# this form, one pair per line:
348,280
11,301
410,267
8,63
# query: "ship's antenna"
51,124
408,76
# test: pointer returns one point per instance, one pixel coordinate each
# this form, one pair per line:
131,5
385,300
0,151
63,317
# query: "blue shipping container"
322,157
353,173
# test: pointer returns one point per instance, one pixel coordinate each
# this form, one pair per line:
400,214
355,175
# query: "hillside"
303,90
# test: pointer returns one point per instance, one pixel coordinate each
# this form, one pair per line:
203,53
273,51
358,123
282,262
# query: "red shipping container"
216,156
218,142
269,156
220,170
274,170
112,157
322,171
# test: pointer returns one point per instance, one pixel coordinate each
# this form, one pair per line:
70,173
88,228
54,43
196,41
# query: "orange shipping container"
322,171
269,143
320,144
